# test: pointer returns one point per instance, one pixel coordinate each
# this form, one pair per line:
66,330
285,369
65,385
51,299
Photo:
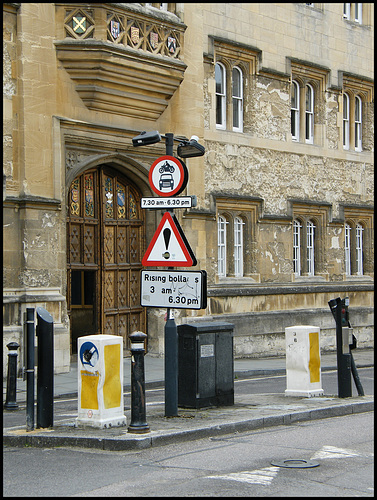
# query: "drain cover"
296,463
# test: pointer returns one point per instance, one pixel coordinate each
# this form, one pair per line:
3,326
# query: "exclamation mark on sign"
167,233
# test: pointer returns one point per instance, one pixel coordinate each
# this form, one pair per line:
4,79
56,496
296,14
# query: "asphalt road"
234,465
66,408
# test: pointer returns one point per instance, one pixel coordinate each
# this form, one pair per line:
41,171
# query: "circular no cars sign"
168,176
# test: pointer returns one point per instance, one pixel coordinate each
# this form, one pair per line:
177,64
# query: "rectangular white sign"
177,202
174,289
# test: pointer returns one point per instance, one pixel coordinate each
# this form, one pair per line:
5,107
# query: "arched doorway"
105,241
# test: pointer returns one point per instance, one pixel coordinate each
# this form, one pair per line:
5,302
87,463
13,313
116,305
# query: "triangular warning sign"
169,246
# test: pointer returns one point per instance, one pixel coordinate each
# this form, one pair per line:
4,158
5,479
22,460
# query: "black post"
45,378
343,358
138,409
359,387
171,338
171,367
10,400
30,383
169,143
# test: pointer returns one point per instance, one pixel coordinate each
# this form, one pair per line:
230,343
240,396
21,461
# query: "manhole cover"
296,463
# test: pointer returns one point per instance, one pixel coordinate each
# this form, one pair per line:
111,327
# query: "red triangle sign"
169,246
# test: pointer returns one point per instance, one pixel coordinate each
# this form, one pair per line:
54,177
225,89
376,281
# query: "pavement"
249,412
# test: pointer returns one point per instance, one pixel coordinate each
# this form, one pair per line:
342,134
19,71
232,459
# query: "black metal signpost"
45,378
345,362
186,149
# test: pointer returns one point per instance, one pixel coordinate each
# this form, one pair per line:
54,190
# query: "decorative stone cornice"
118,79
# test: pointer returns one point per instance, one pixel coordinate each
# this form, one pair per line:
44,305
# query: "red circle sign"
168,176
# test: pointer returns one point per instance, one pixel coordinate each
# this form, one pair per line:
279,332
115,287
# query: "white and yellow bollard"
100,381
303,361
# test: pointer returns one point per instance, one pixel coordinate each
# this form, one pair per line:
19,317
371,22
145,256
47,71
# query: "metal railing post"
10,400
138,408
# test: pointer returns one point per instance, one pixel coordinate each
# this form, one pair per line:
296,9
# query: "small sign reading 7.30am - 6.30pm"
175,289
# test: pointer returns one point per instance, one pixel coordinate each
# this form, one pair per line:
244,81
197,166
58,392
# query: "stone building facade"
282,98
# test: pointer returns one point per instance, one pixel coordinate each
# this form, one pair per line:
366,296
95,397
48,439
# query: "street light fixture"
146,138
191,148
186,148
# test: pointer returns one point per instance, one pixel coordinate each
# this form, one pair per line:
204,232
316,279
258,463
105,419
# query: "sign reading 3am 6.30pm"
175,289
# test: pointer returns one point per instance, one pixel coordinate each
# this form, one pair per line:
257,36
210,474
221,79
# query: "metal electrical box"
303,361
205,364
100,381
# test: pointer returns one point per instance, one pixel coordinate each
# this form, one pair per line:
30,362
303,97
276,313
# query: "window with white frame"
237,99
161,6
229,83
238,246
347,11
221,246
353,12
359,249
297,248
352,122
295,111
358,123
309,114
220,77
307,90
354,247
358,13
236,219
310,247
347,248
346,121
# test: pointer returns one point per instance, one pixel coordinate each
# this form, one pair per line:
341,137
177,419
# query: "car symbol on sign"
166,181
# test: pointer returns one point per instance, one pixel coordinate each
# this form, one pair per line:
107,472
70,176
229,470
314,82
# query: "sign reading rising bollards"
100,381
138,411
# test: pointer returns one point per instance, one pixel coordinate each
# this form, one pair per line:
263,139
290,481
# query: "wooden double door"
105,243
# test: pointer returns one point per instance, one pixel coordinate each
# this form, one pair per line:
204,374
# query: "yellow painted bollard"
303,361
100,381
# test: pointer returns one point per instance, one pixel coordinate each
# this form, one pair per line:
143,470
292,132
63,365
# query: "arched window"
238,246
346,121
347,248
297,248
309,114
358,13
221,246
310,247
295,111
359,249
220,78
347,11
358,123
237,99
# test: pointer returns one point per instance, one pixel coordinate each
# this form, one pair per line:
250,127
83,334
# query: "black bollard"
30,379
45,377
10,400
138,409
342,351
171,367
